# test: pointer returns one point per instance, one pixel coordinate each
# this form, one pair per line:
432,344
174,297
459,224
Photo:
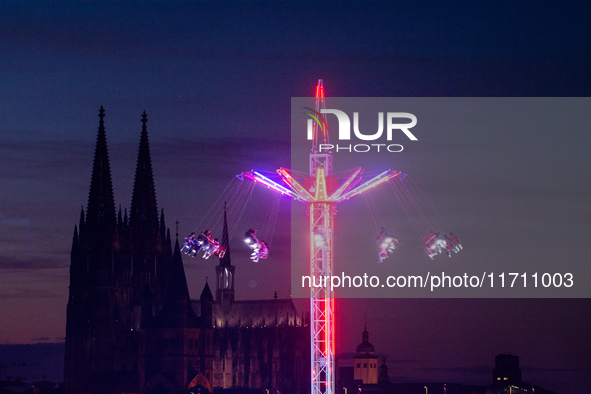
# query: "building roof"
177,311
206,293
255,313
365,348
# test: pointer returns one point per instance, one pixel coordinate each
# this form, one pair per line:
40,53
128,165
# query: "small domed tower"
365,362
383,373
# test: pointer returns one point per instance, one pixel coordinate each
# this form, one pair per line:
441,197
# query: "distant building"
131,327
365,366
507,377
506,371
383,377
259,343
362,378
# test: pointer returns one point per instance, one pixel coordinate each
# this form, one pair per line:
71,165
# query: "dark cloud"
213,158
28,293
234,29
38,159
402,361
16,222
33,263
470,370
560,370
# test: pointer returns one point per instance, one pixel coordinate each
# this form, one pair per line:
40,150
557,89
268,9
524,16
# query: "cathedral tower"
225,272
118,268
90,310
131,326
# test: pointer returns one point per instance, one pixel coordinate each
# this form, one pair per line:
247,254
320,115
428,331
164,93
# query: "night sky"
216,81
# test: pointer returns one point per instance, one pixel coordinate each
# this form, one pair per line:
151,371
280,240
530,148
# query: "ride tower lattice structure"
321,193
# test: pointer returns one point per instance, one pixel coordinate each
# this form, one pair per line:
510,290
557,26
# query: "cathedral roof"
255,313
177,311
206,293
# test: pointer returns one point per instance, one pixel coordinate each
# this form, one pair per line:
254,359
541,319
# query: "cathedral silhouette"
131,325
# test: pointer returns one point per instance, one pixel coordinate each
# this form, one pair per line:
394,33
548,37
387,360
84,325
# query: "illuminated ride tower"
321,193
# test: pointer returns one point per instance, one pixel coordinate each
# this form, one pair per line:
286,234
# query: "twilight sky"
216,80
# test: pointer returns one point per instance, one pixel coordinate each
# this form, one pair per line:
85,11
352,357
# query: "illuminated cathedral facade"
131,325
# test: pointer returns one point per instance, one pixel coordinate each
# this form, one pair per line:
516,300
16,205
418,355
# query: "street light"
426,390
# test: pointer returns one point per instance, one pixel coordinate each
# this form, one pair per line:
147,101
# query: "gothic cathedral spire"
226,260
100,214
225,272
143,217
144,212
